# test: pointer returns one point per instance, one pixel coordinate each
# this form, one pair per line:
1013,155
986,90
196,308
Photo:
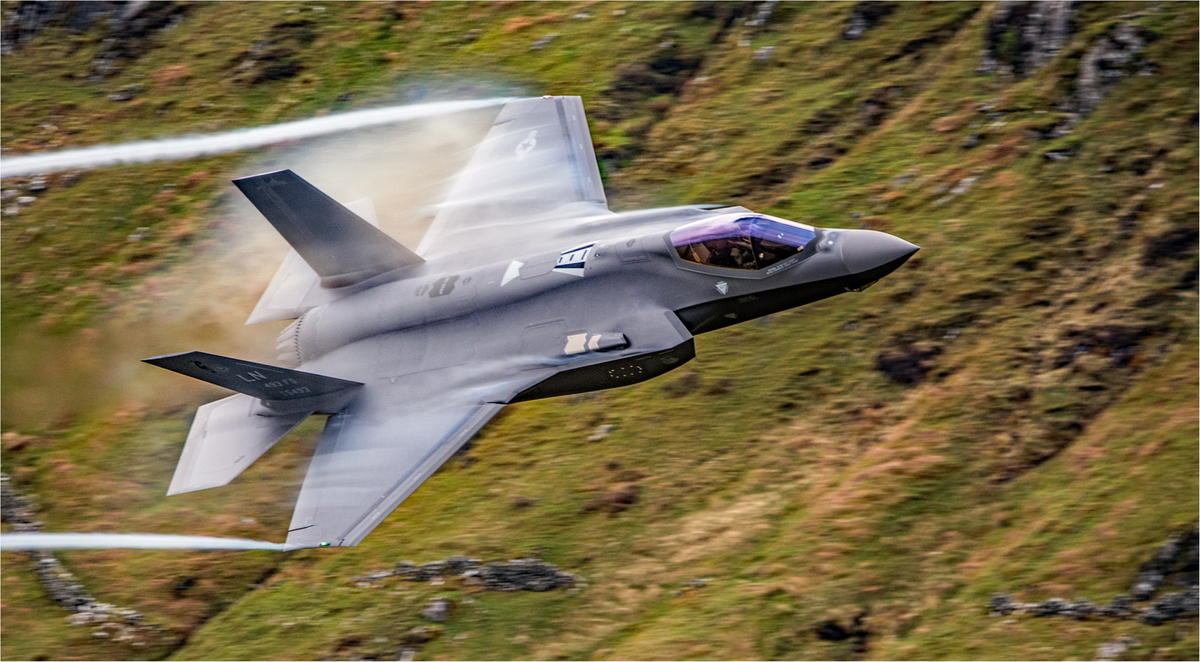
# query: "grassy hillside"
1014,411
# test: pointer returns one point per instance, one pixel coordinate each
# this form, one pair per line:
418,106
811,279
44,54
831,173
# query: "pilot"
731,253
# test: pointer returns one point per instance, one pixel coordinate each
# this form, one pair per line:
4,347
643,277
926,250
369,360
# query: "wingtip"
260,175
157,360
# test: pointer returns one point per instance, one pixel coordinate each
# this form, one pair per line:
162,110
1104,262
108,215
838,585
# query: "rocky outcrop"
16,509
1110,59
520,575
27,19
1177,559
61,586
1023,36
131,32
277,57
515,575
762,15
130,27
866,15
438,610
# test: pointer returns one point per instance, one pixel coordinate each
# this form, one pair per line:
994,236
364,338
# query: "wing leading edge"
537,159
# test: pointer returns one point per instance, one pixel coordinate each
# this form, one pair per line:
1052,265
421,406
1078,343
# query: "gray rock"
524,575
1023,36
125,93
1111,58
1120,607
1052,607
1083,609
601,432
1153,572
438,610
1177,560
762,15
543,42
460,564
963,185
1172,606
60,585
864,16
515,575
27,19
37,184
1112,650
1003,605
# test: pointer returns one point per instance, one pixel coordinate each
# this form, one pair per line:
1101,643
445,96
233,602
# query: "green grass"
1039,456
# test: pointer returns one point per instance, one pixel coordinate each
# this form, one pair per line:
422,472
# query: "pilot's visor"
740,242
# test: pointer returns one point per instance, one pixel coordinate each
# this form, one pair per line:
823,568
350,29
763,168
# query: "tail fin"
339,245
296,288
282,391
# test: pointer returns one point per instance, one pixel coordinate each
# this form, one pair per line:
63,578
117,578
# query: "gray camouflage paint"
526,286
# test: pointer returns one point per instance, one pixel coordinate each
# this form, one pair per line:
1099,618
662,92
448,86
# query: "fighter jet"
525,286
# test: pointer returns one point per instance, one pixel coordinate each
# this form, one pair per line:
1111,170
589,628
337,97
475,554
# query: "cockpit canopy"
749,242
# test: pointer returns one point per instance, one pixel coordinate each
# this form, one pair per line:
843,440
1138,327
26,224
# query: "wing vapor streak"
50,541
188,147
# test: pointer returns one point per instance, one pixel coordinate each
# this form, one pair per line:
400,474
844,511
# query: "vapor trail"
31,541
231,141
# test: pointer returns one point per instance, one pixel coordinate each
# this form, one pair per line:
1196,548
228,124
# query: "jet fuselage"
581,298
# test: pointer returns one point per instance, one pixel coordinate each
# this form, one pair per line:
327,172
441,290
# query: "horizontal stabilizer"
226,437
338,244
281,389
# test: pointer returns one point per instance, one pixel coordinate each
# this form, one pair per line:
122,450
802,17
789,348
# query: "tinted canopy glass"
740,242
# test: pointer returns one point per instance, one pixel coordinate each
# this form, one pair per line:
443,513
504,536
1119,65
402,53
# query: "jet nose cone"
865,250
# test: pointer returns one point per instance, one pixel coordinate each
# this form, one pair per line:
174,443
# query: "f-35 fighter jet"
526,286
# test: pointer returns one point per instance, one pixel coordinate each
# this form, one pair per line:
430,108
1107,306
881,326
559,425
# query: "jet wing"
409,418
536,160
379,450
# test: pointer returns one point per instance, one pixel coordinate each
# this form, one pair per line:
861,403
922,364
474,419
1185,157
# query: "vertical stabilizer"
296,288
339,245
